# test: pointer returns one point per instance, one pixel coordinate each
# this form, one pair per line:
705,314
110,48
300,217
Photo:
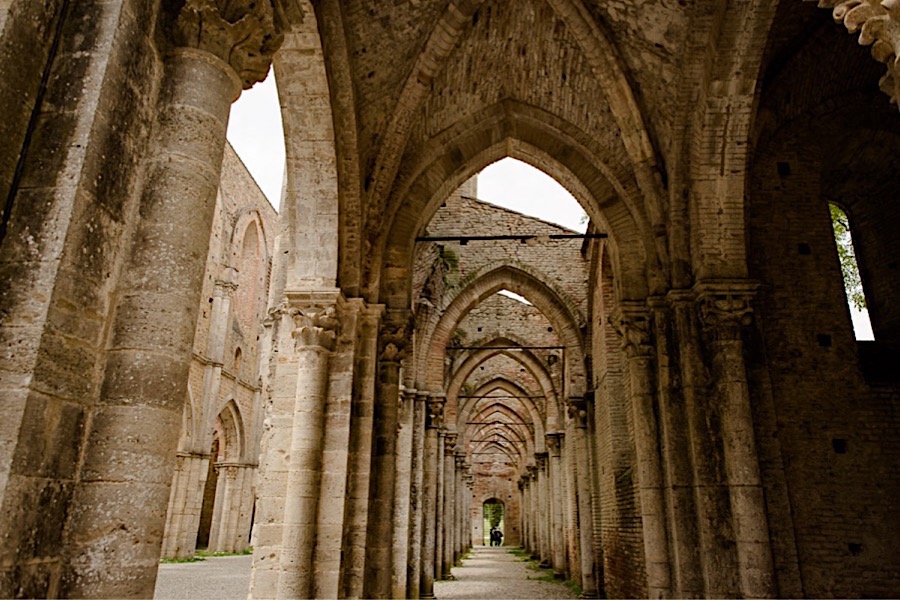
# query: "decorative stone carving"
315,326
395,337
449,442
725,307
577,409
878,22
435,413
554,443
243,33
632,324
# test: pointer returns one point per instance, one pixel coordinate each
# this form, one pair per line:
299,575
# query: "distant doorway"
493,522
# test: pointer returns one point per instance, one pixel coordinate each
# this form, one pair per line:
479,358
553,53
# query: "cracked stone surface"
495,573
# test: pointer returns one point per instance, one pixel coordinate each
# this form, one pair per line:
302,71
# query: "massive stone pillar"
417,496
402,489
288,491
118,512
716,552
360,464
394,338
633,326
686,572
557,543
725,309
449,519
578,412
433,423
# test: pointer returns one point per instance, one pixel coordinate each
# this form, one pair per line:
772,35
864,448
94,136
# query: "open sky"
255,131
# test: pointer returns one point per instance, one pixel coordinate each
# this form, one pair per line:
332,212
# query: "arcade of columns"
664,454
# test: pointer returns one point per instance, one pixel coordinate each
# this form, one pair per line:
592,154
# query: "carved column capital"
396,333
554,443
242,33
227,283
315,317
541,460
725,307
577,409
631,320
434,417
878,22
449,442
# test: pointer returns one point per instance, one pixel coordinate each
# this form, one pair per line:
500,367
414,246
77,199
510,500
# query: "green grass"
201,555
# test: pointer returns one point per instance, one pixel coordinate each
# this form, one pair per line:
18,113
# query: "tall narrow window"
850,271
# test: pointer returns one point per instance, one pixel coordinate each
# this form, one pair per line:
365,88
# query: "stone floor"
492,573
216,578
497,574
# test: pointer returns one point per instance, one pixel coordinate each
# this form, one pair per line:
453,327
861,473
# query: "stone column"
573,537
462,503
417,494
544,509
185,502
725,309
353,564
534,529
632,323
402,488
449,501
116,520
433,423
229,530
314,334
686,572
557,545
578,412
395,334
439,510
717,556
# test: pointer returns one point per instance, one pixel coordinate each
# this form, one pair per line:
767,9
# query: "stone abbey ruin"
680,407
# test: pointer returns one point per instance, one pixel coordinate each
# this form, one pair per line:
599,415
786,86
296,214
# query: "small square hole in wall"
824,340
479,330
784,169
855,548
839,445
804,249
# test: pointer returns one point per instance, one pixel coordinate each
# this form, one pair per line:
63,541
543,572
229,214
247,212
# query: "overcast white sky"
254,129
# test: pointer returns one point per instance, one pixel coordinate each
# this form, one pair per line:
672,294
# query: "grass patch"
186,559
576,589
201,555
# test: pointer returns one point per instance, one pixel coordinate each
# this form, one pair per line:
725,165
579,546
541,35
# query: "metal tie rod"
522,239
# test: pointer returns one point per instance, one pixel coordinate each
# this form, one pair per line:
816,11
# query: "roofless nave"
700,420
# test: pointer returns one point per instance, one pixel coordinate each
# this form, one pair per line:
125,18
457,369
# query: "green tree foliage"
849,268
494,513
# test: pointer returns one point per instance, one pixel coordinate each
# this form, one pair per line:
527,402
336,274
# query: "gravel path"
496,574
216,578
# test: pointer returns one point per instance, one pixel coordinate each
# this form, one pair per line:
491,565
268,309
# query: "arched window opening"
493,518
856,298
515,296
209,496
237,363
